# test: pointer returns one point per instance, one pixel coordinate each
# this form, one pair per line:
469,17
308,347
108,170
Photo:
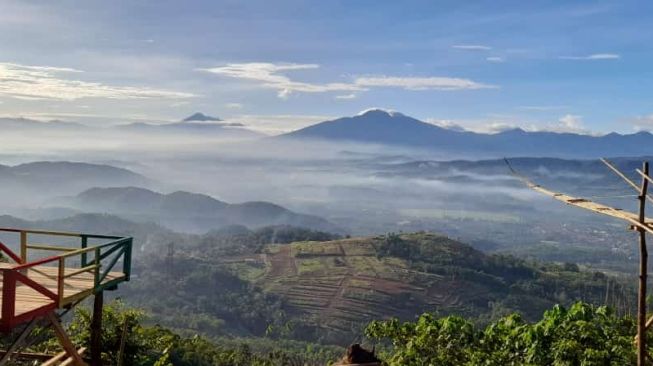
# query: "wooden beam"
123,340
586,204
71,361
643,272
620,174
64,340
645,176
11,351
623,176
96,329
30,356
649,322
54,360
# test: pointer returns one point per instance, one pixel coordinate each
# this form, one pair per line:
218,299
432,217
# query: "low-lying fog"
362,189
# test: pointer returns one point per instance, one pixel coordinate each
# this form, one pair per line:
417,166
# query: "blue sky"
279,65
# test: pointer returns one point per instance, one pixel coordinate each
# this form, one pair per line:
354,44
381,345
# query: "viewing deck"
83,265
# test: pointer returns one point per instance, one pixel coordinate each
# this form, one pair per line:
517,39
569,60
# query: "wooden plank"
41,232
55,360
76,287
54,248
70,361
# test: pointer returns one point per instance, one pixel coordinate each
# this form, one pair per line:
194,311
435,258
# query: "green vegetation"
158,346
241,283
581,335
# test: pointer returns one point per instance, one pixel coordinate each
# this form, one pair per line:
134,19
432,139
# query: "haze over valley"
293,181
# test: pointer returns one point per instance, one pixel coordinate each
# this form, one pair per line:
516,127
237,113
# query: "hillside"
50,178
186,211
331,289
377,126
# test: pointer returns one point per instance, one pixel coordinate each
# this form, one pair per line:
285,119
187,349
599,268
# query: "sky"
576,66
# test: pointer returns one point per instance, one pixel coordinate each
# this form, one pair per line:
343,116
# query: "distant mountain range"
192,212
201,117
196,124
61,177
391,128
12,124
572,176
384,128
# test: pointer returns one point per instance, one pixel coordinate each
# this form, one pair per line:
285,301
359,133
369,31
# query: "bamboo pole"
643,272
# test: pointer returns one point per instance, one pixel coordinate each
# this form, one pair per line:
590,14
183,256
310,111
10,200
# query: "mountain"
186,211
377,126
570,175
147,235
49,178
200,117
205,126
16,124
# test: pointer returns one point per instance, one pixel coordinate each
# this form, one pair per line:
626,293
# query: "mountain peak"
378,112
201,117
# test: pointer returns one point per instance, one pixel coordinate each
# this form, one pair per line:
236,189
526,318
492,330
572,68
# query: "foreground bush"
581,335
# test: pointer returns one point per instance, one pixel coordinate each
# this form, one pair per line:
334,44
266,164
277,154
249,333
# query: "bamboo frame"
638,221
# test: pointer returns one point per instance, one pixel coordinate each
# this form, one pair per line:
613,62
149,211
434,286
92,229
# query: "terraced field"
340,285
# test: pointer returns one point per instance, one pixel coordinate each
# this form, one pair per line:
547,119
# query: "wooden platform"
75,287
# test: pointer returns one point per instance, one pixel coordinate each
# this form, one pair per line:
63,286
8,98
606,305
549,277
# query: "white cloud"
496,127
495,59
542,108
569,123
596,56
180,103
421,83
45,82
643,123
446,123
278,124
269,76
471,47
234,105
346,96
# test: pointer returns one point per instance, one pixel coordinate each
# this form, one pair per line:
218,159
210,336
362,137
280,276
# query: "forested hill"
231,284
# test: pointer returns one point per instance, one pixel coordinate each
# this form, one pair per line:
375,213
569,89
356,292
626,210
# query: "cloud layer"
269,75
471,47
595,56
45,82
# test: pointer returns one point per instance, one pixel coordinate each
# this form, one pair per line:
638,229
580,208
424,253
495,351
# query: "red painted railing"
19,275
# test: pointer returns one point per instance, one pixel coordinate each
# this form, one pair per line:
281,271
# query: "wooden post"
96,330
23,246
84,246
643,271
64,340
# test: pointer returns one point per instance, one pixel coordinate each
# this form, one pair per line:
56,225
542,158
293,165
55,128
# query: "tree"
581,335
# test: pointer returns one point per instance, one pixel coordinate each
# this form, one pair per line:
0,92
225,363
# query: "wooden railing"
98,259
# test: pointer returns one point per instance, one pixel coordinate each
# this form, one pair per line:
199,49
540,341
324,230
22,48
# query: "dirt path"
282,263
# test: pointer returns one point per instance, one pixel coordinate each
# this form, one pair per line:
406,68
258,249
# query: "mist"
362,189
